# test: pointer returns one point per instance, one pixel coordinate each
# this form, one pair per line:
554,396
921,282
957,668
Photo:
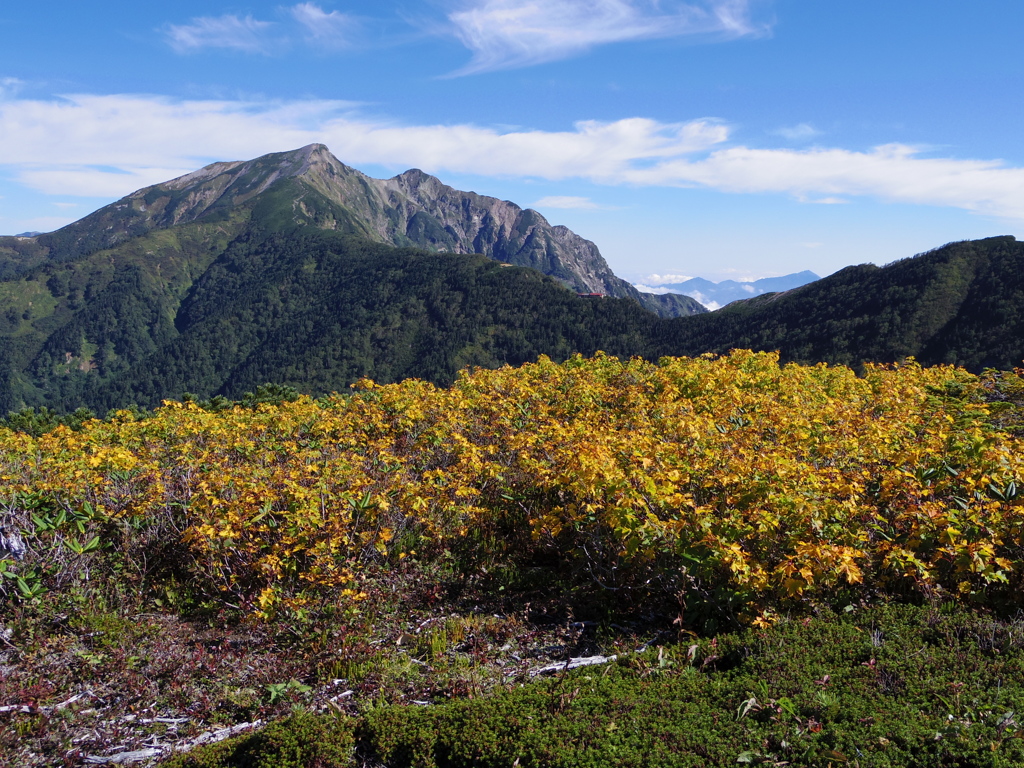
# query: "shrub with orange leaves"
741,485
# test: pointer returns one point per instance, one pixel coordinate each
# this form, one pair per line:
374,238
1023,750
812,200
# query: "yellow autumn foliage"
731,480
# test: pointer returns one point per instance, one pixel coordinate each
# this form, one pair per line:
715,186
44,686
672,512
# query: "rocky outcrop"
413,208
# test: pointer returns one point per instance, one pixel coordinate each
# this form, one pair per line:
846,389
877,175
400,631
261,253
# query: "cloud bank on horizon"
78,145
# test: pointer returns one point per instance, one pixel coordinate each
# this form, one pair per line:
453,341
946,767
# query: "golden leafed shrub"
726,478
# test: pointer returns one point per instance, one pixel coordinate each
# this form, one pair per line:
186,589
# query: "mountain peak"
315,148
261,172
313,154
311,187
414,176
417,184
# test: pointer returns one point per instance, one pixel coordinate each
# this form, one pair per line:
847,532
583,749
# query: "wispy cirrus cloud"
79,145
229,31
800,132
307,22
503,34
567,202
330,29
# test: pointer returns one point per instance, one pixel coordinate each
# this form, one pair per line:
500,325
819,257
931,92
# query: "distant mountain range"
295,269
716,295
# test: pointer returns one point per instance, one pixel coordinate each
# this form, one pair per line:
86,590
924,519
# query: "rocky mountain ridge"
411,209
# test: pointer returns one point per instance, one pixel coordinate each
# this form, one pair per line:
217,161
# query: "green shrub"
299,741
885,687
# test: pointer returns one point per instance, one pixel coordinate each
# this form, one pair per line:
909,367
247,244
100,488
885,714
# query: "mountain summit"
298,270
311,187
294,267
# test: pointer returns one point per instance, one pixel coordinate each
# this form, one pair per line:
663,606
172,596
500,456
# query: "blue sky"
713,138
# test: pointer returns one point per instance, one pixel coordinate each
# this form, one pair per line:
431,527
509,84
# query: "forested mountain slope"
318,310
285,269
311,187
194,309
961,304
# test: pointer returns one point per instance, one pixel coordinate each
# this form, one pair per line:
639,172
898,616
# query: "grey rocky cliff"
415,208
411,209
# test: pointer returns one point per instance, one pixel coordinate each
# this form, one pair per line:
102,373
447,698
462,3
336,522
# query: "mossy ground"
890,686
147,669
450,683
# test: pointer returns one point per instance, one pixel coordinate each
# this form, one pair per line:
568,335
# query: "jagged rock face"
412,208
415,208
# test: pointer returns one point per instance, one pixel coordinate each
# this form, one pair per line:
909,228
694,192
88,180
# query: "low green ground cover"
888,686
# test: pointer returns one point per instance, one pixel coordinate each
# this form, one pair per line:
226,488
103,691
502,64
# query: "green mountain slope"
319,310
285,269
962,304
66,324
311,187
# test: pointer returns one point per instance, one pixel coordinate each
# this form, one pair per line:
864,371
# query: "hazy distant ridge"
714,295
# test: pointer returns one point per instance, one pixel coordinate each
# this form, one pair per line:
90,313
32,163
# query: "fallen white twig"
122,758
138,755
16,708
562,666
212,737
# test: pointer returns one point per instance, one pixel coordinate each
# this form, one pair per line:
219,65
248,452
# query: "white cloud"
317,27
111,145
702,299
9,86
567,202
799,132
518,33
67,141
593,150
331,30
228,31
666,279
893,172
86,181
